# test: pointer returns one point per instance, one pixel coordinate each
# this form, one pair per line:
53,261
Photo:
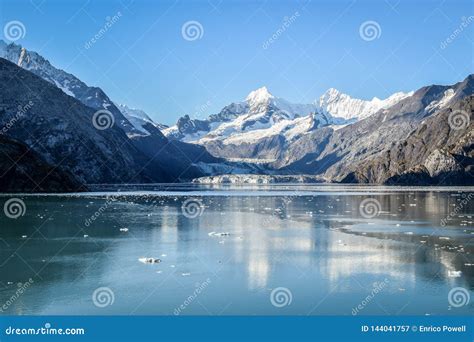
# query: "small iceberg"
219,234
149,260
454,274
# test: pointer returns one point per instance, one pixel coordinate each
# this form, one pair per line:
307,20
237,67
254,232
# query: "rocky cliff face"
161,160
63,131
23,170
437,152
418,136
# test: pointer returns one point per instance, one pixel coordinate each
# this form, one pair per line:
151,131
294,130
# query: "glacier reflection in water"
231,251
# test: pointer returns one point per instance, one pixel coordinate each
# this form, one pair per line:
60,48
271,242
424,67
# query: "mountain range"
52,139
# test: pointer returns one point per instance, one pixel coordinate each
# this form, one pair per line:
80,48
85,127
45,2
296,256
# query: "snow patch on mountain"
441,103
290,129
138,118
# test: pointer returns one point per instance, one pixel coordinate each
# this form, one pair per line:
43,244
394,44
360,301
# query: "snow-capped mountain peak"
341,105
258,96
132,121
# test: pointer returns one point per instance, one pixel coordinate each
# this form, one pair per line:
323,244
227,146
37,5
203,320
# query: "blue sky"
144,61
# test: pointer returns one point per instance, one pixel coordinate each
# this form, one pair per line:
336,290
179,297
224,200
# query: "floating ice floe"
149,260
218,234
454,274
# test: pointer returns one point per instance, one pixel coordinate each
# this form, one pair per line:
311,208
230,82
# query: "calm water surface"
284,250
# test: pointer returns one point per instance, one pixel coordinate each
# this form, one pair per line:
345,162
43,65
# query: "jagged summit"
344,106
259,95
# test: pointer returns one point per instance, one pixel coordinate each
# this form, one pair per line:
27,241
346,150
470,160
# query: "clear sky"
144,60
